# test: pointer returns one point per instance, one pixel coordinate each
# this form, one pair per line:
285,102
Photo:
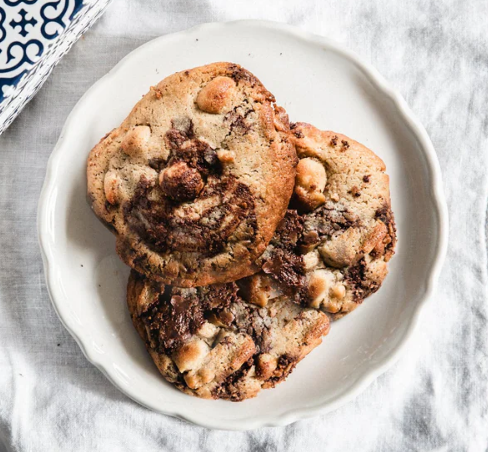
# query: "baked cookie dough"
331,250
208,342
196,178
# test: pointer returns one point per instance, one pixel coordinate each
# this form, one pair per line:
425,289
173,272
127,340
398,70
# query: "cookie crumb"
355,192
157,92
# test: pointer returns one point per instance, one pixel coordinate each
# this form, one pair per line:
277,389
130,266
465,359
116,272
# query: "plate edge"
437,197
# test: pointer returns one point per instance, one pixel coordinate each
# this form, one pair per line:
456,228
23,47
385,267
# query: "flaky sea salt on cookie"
197,177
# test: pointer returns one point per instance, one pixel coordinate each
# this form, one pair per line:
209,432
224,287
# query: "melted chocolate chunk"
288,230
195,153
193,170
239,124
326,221
361,285
176,314
181,182
185,126
229,389
172,322
246,318
385,215
218,296
286,267
157,224
281,261
156,163
236,120
238,74
175,138
286,364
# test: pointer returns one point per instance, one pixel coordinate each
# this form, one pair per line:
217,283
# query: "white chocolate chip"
338,291
319,284
226,156
111,187
310,182
214,97
191,355
208,331
311,260
135,141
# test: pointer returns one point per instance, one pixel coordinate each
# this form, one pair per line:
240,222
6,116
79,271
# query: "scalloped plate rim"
436,191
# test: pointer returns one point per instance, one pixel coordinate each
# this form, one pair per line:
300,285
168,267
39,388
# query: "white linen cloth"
435,398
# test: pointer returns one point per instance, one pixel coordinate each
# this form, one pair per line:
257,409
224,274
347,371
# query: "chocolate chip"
288,230
285,266
361,286
355,191
171,322
156,163
229,389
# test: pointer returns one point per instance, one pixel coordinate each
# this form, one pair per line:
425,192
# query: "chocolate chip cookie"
197,177
331,250
208,342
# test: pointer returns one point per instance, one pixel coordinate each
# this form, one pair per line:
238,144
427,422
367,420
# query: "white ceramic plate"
316,81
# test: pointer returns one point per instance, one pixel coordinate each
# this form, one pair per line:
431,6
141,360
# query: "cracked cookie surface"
196,178
209,342
331,250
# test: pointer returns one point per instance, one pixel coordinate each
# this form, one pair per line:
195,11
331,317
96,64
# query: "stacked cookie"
246,234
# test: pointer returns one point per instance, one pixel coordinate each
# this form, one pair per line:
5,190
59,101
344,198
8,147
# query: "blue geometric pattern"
27,29
34,35
23,23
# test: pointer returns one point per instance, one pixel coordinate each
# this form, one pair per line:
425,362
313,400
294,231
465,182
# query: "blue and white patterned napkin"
34,35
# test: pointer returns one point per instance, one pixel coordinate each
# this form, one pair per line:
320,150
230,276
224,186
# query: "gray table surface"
434,398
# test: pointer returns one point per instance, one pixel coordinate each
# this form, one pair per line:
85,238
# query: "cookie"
196,178
210,343
331,250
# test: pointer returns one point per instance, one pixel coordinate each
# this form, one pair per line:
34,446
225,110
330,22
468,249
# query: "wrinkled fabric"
434,399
